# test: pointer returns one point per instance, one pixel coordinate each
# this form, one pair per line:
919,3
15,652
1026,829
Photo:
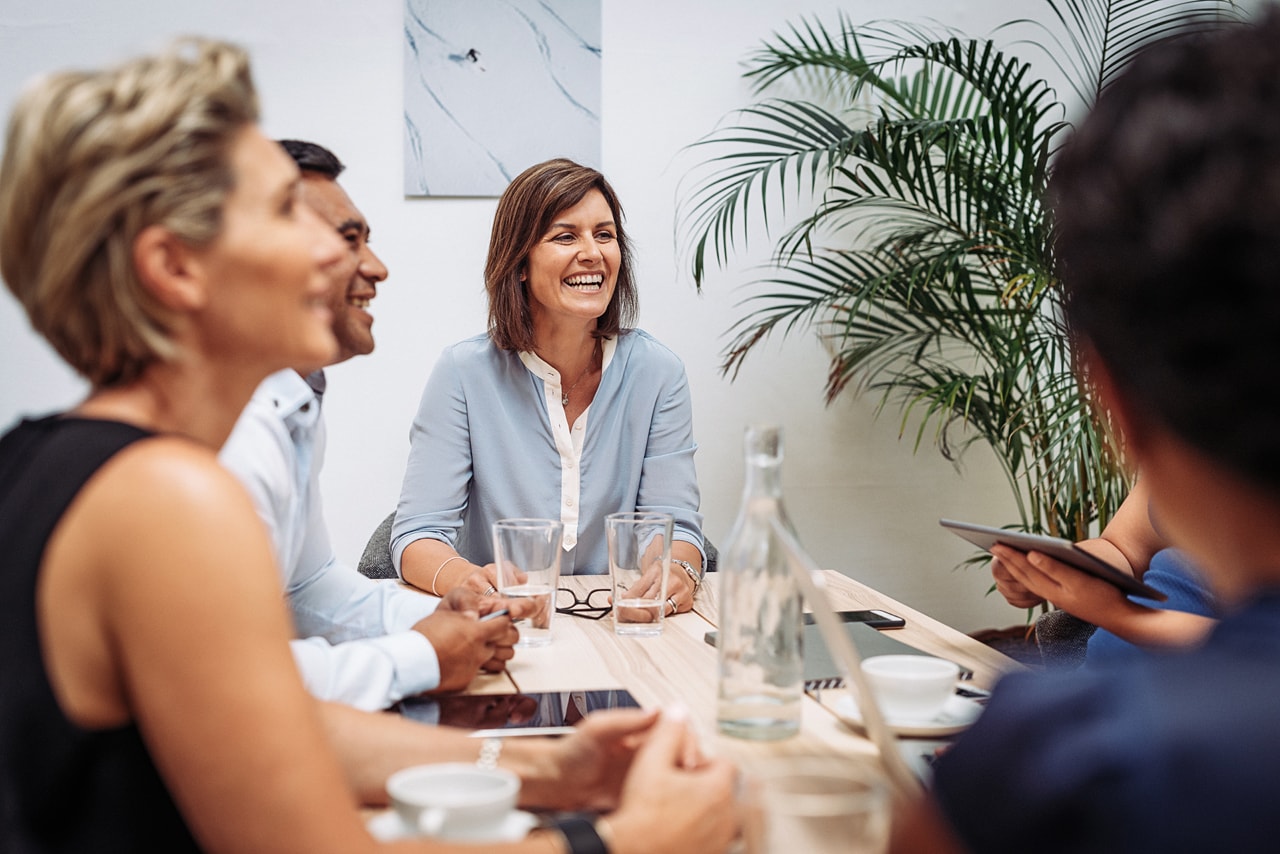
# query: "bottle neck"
762,450
763,478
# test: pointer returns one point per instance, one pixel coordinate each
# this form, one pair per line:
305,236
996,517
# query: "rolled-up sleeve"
370,674
437,479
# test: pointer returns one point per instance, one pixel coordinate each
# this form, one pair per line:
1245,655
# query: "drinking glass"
526,553
639,560
815,804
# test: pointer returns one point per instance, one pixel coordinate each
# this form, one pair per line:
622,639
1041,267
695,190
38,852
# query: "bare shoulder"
168,489
173,470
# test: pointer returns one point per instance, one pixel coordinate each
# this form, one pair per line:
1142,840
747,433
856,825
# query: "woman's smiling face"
573,268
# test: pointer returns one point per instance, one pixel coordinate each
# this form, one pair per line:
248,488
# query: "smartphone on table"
874,617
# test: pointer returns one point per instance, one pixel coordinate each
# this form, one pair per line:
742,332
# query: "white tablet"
1066,551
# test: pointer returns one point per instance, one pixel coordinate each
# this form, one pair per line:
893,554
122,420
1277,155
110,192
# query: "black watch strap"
581,836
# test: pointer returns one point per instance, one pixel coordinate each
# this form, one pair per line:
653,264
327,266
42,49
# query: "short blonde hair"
91,159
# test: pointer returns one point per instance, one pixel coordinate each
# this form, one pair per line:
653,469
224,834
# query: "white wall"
331,71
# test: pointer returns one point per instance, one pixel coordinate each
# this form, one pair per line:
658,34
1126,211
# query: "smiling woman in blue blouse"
562,410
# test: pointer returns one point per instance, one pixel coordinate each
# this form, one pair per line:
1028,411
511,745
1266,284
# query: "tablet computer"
546,713
1066,551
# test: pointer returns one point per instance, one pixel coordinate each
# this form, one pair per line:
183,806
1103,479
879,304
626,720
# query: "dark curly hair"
1167,232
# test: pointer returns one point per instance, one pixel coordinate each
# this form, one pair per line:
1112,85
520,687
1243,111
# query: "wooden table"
680,667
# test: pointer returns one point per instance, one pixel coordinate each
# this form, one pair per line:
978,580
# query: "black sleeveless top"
62,787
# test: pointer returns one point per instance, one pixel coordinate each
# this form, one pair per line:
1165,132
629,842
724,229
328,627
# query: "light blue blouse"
482,448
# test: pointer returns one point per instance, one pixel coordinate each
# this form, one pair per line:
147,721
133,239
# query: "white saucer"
957,714
387,827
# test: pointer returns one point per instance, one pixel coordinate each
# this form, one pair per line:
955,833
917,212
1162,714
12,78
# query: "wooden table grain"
680,667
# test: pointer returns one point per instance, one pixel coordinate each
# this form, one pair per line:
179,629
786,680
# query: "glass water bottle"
761,672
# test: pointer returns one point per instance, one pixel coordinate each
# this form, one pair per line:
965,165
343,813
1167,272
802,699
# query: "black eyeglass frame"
583,607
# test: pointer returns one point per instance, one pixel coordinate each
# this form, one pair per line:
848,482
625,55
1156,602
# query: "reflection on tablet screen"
513,711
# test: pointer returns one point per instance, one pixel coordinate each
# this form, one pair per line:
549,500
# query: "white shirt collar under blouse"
568,442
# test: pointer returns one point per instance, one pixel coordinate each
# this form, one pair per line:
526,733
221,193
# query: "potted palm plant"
917,242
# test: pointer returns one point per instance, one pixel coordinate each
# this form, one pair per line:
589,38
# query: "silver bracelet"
490,750
693,574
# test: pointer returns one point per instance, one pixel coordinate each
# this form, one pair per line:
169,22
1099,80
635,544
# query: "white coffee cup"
911,687
453,800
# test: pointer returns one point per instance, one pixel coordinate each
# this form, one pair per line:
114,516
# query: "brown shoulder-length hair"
526,210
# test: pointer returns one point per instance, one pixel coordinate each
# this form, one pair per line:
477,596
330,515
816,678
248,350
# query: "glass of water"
816,804
526,553
639,560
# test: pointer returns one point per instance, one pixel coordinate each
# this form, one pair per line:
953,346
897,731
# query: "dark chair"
1062,638
376,560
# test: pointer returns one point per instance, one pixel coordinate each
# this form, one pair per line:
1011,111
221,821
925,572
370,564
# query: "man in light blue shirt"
361,642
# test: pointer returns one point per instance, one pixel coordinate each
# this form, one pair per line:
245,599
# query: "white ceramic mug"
453,800
911,687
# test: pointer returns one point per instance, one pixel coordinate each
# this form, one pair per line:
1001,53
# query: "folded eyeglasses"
592,606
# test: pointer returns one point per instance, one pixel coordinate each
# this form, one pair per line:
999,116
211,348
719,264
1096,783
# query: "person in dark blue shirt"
1167,211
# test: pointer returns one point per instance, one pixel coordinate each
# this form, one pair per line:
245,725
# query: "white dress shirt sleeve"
367,674
356,645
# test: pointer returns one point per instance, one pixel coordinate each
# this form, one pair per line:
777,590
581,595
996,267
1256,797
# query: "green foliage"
913,235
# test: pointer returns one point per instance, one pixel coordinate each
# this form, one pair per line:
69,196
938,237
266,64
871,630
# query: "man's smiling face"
352,293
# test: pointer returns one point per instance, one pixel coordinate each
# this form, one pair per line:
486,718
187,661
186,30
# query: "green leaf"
904,204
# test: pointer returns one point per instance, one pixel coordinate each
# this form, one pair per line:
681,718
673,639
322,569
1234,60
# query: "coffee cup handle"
430,821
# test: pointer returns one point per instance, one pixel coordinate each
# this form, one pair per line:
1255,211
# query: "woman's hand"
481,579
680,588
1078,593
680,591
585,770
1008,586
672,805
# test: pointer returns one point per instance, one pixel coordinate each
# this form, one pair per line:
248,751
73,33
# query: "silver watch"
693,574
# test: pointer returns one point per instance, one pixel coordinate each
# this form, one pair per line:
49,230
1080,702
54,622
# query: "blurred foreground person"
1167,205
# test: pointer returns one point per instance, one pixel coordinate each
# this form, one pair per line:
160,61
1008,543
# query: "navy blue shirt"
1177,752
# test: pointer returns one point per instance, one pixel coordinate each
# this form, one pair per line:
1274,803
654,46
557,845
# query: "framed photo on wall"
494,86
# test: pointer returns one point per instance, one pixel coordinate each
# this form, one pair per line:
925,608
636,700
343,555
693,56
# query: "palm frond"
905,207
1095,39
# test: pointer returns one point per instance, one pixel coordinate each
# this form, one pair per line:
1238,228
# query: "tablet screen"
549,711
